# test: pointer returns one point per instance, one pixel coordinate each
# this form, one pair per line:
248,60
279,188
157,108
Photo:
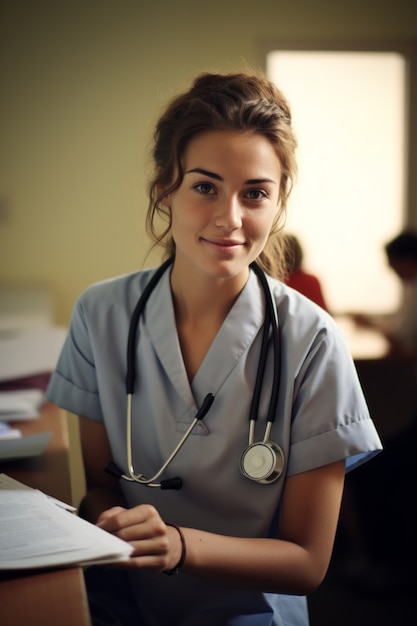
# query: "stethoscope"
261,461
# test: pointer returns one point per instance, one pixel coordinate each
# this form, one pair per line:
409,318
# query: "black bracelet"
180,563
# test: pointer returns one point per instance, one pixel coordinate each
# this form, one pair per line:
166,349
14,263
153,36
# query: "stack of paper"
20,405
37,532
29,348
8,432
17,406
30,352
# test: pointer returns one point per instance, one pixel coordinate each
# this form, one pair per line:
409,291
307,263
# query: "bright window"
349,116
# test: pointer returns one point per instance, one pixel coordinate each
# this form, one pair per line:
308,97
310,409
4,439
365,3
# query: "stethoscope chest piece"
262,462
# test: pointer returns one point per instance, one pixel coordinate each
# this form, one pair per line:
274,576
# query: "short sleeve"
331,419
73,385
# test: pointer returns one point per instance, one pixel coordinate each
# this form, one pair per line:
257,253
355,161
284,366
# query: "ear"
165,198
166,201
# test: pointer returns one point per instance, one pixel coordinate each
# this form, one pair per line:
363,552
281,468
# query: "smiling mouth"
225,243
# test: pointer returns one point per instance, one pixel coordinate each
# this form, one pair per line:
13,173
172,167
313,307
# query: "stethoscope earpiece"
262,462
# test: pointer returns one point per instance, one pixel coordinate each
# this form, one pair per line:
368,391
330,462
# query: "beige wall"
81,83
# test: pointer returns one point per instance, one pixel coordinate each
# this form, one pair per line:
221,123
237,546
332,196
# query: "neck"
198,298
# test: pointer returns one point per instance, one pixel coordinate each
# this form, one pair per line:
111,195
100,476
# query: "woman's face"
224,209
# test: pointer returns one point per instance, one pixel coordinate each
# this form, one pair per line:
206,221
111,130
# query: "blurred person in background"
400,327
297,278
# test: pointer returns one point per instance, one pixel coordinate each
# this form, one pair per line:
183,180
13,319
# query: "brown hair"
238,102
293,253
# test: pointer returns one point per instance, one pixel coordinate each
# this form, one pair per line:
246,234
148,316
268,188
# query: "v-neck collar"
234,336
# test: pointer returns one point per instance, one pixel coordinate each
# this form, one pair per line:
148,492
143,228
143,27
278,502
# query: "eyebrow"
251,181
199,170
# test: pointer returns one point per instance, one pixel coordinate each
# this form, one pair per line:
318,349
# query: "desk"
389,383
364,343
54,597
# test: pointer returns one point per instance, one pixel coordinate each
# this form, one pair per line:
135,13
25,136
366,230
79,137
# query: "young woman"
252,526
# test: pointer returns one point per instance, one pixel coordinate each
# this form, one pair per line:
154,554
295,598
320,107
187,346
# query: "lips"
226,243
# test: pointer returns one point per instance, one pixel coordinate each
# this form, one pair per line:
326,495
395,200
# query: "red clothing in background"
308,285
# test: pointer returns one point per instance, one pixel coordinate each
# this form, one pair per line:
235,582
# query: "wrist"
181,561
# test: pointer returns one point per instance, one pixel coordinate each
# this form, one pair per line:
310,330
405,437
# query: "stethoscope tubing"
134,324
271,319
140,478
274,454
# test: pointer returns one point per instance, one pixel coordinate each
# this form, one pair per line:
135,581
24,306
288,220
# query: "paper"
30,352
37,532
8,432
24,447
20,405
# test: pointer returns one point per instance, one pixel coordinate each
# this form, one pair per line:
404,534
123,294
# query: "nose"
228,214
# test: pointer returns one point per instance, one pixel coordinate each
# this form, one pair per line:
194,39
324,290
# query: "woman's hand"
156,545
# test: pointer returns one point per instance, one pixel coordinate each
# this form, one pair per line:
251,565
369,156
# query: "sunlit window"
349,200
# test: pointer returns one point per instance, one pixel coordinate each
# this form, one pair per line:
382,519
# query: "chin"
226,269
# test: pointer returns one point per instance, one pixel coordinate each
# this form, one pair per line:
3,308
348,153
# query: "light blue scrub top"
321,418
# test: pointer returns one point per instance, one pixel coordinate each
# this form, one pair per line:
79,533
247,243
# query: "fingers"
143,518
106,515
144,529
